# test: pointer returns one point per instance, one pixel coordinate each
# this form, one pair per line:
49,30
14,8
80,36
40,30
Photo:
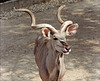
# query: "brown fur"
50,62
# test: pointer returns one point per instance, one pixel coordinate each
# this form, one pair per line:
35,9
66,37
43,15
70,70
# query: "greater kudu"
51,46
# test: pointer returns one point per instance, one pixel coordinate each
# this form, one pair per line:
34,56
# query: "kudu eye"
55,38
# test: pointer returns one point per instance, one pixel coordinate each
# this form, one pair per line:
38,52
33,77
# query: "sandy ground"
17,44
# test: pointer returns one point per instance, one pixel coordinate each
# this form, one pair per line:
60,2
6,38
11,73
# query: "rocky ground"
17,43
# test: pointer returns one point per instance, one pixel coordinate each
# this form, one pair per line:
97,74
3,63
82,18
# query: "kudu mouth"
66,49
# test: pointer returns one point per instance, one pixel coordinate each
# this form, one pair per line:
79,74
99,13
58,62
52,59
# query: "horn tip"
14,8
63,6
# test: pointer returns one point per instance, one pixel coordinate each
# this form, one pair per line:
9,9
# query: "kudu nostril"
68,49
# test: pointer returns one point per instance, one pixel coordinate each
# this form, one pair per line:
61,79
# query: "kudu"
51,46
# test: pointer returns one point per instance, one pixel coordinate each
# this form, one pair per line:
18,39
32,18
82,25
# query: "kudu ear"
72,29
46,32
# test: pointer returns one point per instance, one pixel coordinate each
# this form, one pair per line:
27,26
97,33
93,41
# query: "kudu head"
50,34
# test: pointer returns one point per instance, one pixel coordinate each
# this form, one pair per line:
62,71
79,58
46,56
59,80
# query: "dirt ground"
17,44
